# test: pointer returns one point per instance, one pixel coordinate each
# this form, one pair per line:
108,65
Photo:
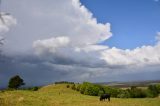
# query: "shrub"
68,86
100,93
32,88
124,94
113,91
140,93
35,88
73,87
78,87
137,92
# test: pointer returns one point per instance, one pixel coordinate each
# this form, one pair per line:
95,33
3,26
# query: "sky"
80,40
133,22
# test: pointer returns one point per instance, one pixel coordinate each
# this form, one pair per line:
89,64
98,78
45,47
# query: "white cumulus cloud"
145,55
55,18
50,44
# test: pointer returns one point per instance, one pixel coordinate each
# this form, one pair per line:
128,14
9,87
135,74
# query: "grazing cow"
105,96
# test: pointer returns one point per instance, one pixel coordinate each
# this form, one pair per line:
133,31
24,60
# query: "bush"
68,86
35,88
78,87
124,94
113,91
100,93
137,93
32,88
73,87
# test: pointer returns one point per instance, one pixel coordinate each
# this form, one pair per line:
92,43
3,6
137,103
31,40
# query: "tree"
153,90
92,90
15,82
84,86
158,88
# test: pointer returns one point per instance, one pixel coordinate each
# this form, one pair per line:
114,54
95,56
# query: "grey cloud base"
41,72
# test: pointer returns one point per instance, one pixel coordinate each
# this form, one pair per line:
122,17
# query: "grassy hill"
59,95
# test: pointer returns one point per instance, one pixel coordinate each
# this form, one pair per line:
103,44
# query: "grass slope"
59,95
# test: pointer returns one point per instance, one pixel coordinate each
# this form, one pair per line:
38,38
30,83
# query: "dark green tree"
84,86
15,82
153,90
158,88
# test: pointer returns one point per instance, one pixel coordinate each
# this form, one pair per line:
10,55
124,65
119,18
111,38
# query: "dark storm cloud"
36,71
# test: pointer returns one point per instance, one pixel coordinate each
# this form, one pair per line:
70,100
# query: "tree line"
87,88
64,82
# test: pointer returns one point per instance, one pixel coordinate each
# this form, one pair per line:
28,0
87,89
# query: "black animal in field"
105,96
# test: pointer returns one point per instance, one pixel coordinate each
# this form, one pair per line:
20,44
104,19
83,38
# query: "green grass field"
59,95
